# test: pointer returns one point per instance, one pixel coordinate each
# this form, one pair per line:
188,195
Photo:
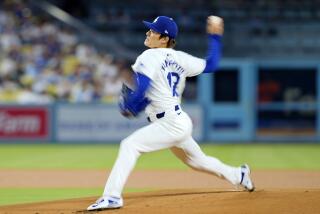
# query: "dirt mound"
155,179
190,201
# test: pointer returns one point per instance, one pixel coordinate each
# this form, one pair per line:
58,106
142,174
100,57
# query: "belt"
161,115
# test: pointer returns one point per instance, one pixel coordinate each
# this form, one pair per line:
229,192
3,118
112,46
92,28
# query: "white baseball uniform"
170,126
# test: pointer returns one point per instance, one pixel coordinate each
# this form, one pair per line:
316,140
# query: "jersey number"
173,79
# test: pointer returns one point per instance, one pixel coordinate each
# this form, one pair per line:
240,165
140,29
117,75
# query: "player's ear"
165,39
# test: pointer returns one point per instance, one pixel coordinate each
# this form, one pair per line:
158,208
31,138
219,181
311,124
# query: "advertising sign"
24,123
90,123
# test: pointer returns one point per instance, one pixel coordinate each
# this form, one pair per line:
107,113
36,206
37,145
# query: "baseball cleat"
106,202
245,180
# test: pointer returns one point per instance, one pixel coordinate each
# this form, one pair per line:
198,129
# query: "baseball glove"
130,107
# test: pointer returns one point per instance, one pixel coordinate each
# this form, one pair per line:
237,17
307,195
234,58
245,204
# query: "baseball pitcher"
160,76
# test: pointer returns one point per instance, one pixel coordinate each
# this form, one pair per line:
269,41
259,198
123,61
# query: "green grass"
28,195
57,156
270,156
80,156
259,156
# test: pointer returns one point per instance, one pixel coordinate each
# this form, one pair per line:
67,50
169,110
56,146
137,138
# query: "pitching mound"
190,201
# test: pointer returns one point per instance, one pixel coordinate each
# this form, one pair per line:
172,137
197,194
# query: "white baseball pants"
172,131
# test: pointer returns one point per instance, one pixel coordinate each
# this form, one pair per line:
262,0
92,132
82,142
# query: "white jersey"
167,69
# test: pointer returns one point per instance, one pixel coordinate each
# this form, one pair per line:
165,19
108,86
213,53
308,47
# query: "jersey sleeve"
193,65
145,64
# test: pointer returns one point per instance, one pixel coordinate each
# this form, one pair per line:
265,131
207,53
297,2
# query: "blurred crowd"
42,62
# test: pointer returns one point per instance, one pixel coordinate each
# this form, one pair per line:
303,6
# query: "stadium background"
62,64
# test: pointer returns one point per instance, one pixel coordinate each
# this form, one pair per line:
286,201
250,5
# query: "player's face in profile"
153,39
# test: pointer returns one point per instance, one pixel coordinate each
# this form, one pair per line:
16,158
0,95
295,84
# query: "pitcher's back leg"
191,154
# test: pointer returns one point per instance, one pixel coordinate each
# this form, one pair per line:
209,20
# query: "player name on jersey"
170,63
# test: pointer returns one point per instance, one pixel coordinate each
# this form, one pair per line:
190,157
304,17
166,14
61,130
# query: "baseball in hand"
215,25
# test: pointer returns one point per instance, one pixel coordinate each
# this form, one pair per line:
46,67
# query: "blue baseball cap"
163,25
